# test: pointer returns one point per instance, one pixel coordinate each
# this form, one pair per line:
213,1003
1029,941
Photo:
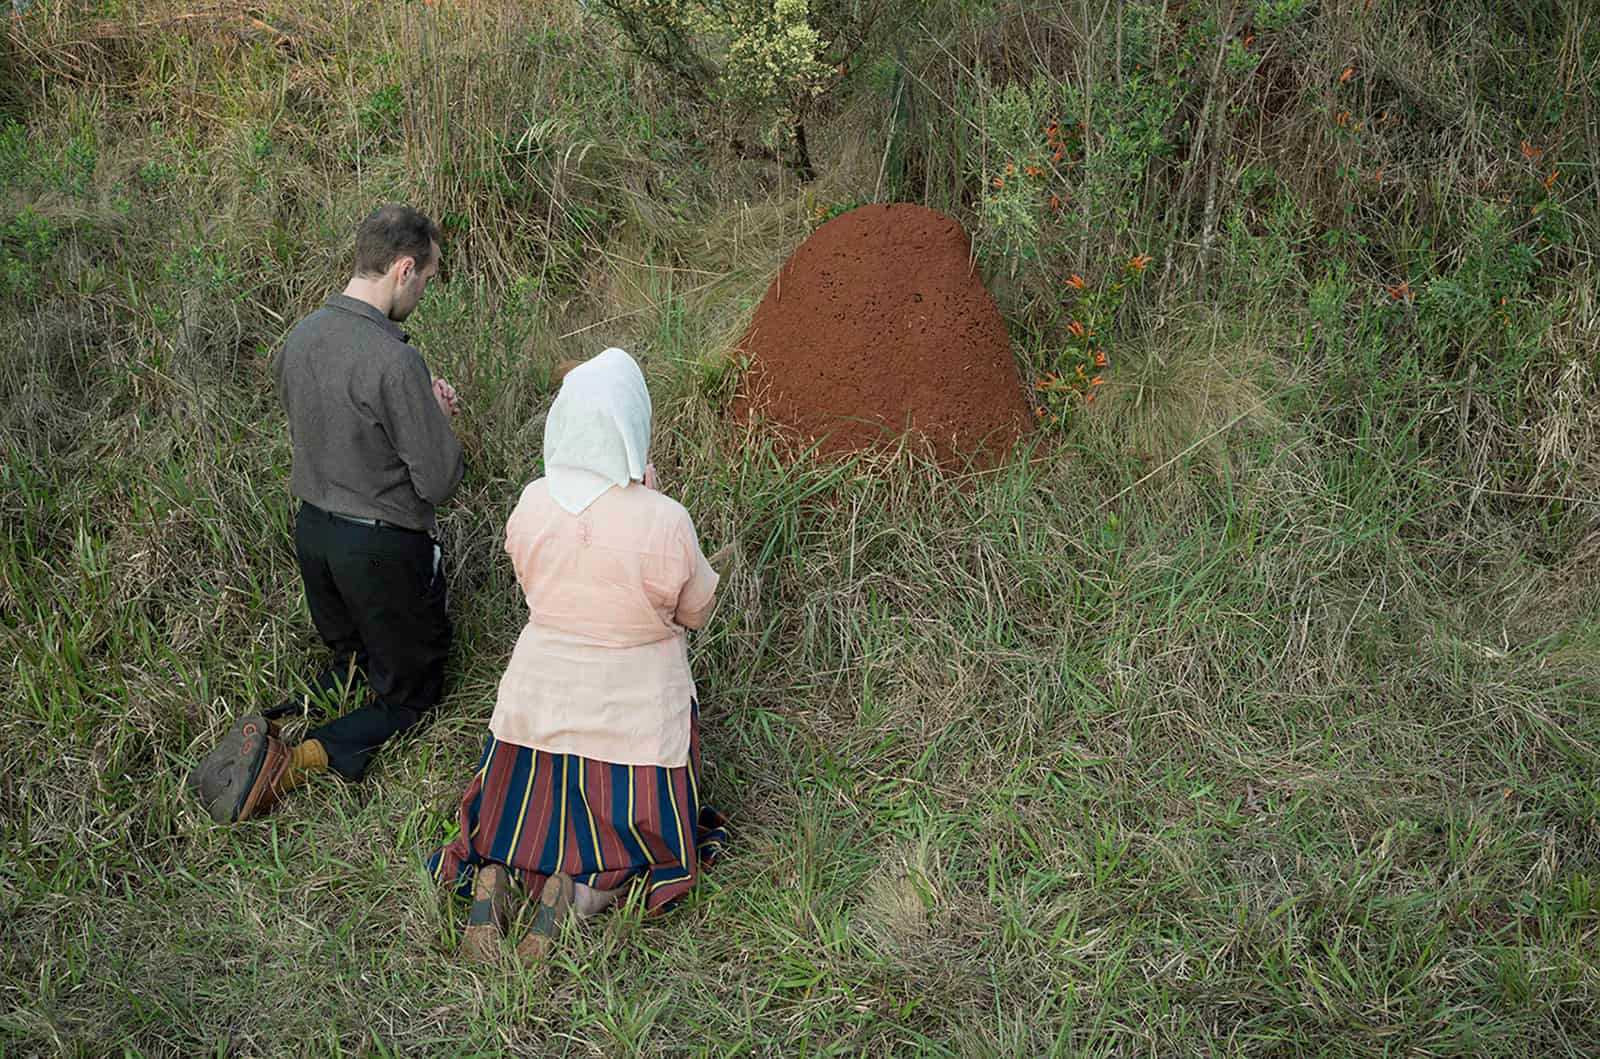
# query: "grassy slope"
1255,714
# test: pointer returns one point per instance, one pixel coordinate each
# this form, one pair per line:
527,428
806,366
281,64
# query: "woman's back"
613,575
602,668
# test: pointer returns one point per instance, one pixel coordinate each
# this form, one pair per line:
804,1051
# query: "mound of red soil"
878,322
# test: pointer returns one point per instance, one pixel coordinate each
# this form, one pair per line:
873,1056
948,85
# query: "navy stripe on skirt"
604,824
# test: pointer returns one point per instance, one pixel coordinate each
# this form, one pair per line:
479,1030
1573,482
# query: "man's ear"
403,268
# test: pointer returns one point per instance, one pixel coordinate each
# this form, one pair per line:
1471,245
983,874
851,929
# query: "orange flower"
1057,156
1100,359
1076,329
1138,262
1055,201
1097,381
1348,70
1530,151
1075,282
1342,118
1400,291
999,183
1251,39
1378,176
1010,169
1550,181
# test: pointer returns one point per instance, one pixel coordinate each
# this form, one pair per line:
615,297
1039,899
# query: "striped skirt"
605,825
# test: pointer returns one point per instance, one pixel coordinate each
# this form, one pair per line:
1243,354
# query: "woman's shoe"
486,920
555,903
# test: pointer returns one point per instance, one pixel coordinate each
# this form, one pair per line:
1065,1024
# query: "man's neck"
371,291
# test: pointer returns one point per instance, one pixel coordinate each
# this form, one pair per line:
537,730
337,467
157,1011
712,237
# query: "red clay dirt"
879,322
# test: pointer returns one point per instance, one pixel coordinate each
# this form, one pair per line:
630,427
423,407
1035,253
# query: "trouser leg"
392,590
315,534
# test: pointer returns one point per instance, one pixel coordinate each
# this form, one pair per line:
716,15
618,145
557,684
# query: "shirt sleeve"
277,365
700,581
419,431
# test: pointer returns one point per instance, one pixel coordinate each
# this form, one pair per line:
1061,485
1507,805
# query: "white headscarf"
598,431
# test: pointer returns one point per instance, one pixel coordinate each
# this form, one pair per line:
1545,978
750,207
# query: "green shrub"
27,241
759,61
16,154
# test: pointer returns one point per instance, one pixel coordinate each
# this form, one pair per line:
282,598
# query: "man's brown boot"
240,778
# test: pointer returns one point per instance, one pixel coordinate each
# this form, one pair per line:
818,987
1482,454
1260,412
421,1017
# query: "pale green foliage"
1276,14
1096,190
1010,207
758,57
771,57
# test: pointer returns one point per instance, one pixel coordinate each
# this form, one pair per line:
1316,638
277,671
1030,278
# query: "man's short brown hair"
391,232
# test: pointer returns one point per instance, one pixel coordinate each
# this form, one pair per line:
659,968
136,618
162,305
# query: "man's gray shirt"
369,438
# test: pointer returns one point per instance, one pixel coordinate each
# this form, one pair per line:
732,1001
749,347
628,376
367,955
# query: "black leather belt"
375,523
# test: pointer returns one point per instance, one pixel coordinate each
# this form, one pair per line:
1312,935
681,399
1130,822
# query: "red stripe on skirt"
612,850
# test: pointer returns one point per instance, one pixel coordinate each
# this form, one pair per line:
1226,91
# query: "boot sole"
223,779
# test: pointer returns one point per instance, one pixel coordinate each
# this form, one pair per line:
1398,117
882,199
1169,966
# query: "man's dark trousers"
377,598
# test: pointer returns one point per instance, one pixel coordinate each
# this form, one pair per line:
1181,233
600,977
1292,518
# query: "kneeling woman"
589,780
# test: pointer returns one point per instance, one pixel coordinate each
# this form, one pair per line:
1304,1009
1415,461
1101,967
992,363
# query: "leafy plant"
380,115
1082,362
16,153
27,241
1273,15
78,165
157,174
757,60
1066,165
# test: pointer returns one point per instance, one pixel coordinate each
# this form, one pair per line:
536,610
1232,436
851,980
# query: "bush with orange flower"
1079,368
